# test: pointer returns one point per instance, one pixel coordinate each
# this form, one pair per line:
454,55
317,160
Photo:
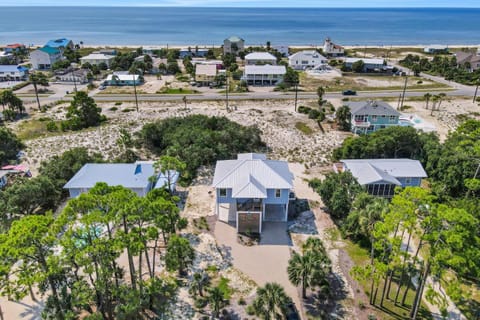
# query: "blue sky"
249,3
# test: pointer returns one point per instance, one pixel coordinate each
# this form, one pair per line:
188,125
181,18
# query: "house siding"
376,122
271,199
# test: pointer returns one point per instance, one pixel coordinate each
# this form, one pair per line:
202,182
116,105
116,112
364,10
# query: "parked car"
101,88
349,92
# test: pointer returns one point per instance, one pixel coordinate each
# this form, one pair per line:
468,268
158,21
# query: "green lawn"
304,128
177,91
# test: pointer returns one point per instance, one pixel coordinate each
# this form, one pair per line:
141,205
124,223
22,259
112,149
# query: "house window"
374,118
408,181
392,118
223,192
278,193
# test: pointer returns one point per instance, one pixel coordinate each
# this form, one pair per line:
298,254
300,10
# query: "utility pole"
226,91
135,90
476,91
74,81
296,95
404,90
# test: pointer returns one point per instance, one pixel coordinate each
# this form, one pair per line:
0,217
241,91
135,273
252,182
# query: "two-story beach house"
369,116
381,176
134,176
14,47
60,44
260,58
265,75
306,59
331,49
233,45
97,58
45,57
205,73
13,73
251,190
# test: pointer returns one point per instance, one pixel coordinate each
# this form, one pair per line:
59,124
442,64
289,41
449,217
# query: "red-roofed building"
15,47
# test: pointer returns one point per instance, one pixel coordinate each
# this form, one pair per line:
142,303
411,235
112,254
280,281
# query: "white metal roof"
123,77
369,171
251,175
266,69
206,69
129,175
97,56
309,54
372,107
365,60
260,56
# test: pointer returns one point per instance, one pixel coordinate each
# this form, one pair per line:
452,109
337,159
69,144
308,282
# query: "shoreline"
306,46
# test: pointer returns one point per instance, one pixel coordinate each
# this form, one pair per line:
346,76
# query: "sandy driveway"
262,263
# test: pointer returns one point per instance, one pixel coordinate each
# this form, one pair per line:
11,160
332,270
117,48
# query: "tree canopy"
10,145
83,112
199,140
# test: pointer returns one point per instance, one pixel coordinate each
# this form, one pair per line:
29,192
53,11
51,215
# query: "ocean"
209,26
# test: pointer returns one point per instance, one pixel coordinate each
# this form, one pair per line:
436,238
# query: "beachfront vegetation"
343,118
82,113
435,225
10,145
199,140
73,258
38,79
446,67
12,106
310,268
271,302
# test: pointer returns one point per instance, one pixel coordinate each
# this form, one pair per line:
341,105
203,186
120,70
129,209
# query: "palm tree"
271,302
320,93
427,97
311,268
198,282
217,301
38,78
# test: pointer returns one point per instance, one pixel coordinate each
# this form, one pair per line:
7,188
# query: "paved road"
468,91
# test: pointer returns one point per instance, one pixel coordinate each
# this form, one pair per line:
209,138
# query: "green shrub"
127,110
118,103
313,114
113,109
200,303
242,301
52,126
303,109
250,310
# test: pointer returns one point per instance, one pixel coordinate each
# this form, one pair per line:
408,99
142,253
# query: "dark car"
349,92
292,313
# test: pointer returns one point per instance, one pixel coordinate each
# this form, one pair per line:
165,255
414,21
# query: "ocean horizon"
208,26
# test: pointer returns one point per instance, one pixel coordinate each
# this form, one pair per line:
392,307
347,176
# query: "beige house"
205,73
469,58
233,45
97,58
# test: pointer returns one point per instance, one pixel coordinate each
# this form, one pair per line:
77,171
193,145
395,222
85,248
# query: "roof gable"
372,108
129,175
252,176
374,170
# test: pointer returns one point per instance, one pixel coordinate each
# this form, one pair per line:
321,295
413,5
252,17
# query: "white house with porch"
251,190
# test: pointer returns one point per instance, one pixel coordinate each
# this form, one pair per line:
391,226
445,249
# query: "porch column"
260,226
236,217
263,210
286,211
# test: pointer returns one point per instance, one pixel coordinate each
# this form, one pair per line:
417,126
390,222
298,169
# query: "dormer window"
278,193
